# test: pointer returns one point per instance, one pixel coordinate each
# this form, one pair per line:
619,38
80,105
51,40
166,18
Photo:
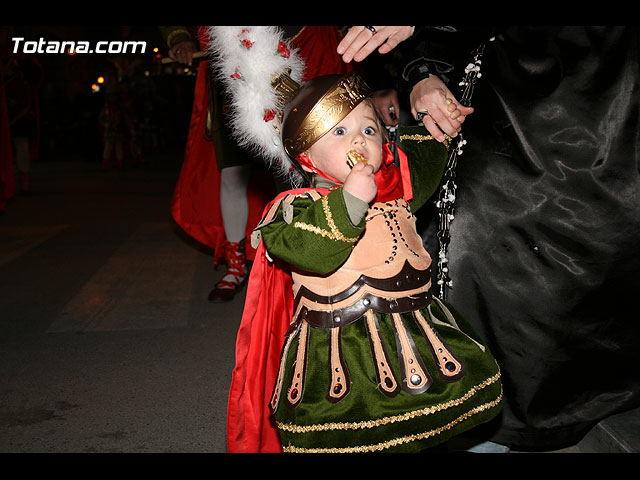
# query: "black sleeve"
439,50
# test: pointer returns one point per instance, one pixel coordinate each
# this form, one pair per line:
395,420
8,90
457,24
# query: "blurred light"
95,88
100,79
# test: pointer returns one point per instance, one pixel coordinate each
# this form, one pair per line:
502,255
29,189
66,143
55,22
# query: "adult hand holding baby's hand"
361,182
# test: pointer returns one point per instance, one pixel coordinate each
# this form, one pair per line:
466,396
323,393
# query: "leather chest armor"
388,271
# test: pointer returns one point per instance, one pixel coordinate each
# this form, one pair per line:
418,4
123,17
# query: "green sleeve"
318,238
427,159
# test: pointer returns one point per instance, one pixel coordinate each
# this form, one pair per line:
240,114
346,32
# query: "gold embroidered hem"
396,418
423,138
366,417
399,441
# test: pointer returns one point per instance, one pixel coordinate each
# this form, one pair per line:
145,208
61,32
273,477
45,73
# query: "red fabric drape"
268,308
318,45
393,181
195,205
265,320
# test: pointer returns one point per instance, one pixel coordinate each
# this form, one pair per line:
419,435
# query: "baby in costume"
343,347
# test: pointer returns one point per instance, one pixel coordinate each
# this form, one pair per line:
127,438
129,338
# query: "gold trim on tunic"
399,440
391,419
334,234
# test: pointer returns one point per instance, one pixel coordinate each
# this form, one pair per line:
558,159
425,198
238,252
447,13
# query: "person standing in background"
221,190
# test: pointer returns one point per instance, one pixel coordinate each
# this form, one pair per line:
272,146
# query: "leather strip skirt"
374,379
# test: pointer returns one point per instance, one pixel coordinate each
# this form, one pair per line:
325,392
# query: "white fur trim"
245,59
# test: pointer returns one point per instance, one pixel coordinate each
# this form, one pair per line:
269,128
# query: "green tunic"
373,362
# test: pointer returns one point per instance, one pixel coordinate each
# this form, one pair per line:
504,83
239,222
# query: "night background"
158,97
107,340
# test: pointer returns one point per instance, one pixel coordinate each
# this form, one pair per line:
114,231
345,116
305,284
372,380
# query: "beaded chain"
447,196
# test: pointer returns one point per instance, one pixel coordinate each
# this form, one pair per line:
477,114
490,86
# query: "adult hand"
360,42
437,108
387,105
183,52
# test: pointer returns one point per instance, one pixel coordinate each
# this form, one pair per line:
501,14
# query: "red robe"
196,200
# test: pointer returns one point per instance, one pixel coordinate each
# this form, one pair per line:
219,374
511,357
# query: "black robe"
545,248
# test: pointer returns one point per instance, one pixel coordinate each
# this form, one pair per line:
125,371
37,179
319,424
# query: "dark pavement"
107,341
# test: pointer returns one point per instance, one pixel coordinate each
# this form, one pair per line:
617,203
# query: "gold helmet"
318,106
273,112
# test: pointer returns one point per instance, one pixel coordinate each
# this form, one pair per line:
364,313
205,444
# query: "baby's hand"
361,182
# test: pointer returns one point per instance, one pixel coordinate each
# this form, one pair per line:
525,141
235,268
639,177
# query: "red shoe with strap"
236,275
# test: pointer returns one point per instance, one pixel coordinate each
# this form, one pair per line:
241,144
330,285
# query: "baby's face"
358,131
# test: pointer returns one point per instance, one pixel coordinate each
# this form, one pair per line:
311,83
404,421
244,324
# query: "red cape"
265,321
267,312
